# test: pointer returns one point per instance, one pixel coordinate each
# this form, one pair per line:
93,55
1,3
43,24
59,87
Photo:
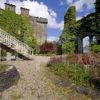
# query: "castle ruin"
39,25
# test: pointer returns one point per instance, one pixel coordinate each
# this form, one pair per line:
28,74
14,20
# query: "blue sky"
54,11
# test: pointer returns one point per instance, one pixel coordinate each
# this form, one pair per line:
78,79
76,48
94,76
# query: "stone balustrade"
14,44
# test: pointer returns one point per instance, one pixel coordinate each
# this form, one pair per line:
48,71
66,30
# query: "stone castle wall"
40,28
39,25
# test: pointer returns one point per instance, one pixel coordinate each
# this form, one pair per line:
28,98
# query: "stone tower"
39,28
24,11
11,7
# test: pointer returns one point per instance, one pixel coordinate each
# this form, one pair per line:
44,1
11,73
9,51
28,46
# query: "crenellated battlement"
39,19
10,7
24,11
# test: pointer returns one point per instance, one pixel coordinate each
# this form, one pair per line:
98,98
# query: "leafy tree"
48,48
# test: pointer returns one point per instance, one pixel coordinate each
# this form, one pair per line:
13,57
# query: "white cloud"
69,1
37,9
79,4
2,3
52,38
79,17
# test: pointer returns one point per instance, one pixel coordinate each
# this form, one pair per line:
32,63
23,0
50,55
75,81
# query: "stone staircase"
14,44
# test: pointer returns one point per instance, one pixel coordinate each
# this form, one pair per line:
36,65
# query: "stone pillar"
98,39
90,39
80,45
9,56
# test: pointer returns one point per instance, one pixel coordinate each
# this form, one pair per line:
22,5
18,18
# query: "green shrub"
48,48
3,68
71,72
95,48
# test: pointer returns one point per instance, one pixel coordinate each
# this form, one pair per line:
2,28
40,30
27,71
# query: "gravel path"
36,83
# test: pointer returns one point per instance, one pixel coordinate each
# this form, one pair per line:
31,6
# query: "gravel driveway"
35,83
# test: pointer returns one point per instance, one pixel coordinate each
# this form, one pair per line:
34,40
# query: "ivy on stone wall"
89,25
68,44
18,26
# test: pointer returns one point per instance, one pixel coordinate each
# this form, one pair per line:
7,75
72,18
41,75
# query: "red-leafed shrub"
48,48
85,59
82,59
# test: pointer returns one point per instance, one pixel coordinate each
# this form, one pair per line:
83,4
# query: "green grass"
2,68
71,72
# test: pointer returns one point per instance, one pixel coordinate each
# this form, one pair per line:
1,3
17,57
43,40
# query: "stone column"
9,56
98,39
90,39
80,45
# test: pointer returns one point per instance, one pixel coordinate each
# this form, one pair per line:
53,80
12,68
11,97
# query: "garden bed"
76,74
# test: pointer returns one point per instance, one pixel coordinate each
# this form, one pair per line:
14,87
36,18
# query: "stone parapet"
41,20
10,7
24,11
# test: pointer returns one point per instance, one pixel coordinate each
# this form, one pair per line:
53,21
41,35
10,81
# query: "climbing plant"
68,45
91,23
97,8
18,26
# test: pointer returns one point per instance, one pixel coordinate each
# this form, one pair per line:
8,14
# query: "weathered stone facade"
10,7
39,25
39,28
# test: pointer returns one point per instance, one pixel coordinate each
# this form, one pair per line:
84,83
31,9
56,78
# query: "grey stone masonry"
24,11
10,7
39,26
